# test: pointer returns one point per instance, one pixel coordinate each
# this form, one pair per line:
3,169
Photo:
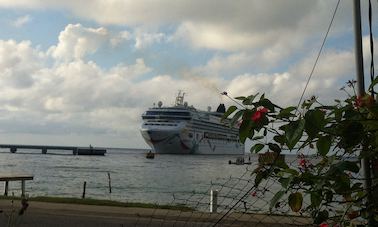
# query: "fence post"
84,186
213,201
110,183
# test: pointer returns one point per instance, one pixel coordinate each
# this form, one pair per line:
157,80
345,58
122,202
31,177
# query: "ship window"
167,117
167,113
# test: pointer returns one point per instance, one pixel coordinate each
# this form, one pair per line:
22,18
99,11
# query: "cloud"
120,38
132,71
19,63
143,40
21,21
332,71
76,41
213,24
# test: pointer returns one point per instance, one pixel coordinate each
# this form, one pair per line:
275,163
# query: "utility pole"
366,164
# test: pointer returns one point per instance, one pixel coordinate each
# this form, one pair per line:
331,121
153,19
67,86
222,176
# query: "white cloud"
119,38
123,70
213,24
77,41
143,40
332,71
21,21
18,64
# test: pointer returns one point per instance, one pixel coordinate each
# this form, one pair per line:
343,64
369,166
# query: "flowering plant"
337,136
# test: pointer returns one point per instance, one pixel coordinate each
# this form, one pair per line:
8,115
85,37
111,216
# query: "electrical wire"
320,51
371,48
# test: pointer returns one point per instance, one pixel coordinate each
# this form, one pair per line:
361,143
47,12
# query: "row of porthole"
162,124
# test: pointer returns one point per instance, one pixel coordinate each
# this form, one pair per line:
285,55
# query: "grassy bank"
100,202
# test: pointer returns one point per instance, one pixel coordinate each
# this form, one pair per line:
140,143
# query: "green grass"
100,202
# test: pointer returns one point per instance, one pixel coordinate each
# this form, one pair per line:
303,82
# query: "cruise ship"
182,129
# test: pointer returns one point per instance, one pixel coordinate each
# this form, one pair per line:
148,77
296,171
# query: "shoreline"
97,202
65,214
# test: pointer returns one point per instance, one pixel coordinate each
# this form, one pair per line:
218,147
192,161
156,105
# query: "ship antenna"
180,98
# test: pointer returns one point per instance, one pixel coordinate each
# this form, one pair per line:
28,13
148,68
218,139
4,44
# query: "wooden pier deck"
6,177
44,148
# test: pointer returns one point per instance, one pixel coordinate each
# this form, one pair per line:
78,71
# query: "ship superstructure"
182,129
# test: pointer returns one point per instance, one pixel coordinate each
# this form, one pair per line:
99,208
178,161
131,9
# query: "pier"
15,177
44,148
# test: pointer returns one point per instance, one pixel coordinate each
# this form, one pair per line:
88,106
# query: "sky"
82,72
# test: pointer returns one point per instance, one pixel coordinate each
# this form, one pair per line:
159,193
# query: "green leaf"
275,199
324,144
236,117
286,113
338,114
352,134
314,122
315,199
285,182
267,104
240,98
245,129
291,171
279,139
258,138
257,147
274,147
293,133
321,216
348,165
229,111
259,177
295,201
249,99
373,83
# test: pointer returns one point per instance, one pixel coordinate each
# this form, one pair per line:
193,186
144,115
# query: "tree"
339,135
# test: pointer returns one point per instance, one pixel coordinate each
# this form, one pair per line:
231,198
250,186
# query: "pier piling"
110,183
84,186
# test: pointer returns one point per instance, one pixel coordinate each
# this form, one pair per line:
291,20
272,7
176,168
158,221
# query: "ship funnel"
221,108
160,104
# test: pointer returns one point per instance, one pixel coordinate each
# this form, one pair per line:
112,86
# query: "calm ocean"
133,177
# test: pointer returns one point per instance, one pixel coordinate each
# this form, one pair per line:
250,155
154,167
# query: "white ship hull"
177,141
185,130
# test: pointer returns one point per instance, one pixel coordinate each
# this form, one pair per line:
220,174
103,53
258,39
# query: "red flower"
324,225
302,163
358,102
364,101
256,117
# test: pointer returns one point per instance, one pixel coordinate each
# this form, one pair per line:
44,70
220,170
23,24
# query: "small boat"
150,155
240,161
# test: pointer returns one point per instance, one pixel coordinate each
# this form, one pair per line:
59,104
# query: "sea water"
133,178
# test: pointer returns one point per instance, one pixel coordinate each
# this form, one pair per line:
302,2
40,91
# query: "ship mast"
180,98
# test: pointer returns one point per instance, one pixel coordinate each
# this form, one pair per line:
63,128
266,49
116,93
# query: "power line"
371,48
320,51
